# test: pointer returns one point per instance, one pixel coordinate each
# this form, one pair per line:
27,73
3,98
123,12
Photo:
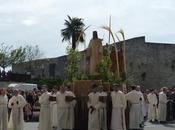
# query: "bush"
104,68
72,65
51,82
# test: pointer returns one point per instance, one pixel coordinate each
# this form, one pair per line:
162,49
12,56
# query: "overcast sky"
38,22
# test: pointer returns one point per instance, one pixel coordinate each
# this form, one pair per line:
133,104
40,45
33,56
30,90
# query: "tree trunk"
3,68
73,41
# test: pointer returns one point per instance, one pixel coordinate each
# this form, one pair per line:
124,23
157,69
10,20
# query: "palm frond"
122,33
81,36
117,37
115,46
110,31
82,33
70,19
73,30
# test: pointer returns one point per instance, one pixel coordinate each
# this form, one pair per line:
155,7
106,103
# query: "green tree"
104,66
74,30
9,56
17,55
4,55
72,65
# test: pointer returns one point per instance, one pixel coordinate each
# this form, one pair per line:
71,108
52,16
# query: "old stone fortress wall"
149,64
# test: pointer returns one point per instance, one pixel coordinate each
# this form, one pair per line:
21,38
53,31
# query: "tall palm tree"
73,30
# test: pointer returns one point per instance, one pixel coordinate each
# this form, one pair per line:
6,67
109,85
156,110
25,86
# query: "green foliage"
83,76
51,82
17,55
72,65
73,30
115,79
9,56
4,55
104,68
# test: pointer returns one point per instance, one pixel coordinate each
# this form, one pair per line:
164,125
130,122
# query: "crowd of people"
9,76
129,109
15,106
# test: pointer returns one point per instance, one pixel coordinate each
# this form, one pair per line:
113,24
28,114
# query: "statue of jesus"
94,52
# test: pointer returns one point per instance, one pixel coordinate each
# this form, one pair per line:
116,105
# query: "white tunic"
134,116
118,110
53,112
93,116
16,103
44,118
142,107
152,108
102,112
71,110
3,112
162,107
64,111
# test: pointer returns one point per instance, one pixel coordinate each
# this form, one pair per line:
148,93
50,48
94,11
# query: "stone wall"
47,67
149,64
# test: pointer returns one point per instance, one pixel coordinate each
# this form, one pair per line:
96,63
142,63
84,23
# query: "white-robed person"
118,109
93,106
133,98
65,100
162,107
142,106
3,110
102,108
53,109
152,107
16,103
44,117
72,104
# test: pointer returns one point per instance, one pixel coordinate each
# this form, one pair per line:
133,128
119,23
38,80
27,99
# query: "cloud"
27,12
30,21
40,21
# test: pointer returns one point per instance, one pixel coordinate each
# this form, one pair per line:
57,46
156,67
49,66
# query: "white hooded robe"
152,107
162,107
134,116
53,112
16,103
3,112
93,116
65,111
102,112
118,110
44,118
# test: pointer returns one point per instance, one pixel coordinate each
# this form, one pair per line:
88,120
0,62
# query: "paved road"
159,126
30,126
33,126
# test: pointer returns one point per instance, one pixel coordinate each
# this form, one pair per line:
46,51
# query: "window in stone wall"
52,67
173,65
130,64
165,46
142,64
166,64
139,66
143,76
172,68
